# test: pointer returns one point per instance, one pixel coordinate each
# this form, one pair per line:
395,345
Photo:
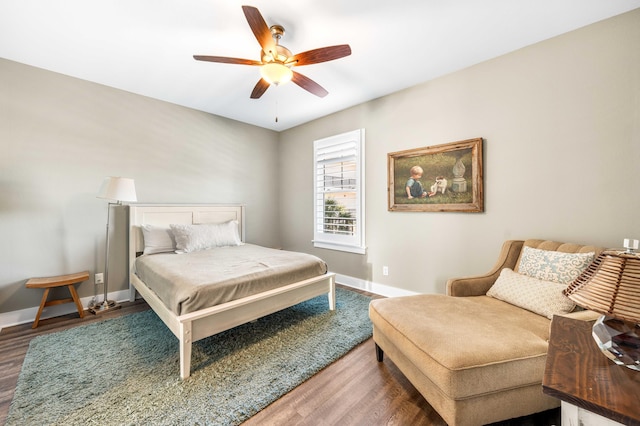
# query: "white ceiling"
146,46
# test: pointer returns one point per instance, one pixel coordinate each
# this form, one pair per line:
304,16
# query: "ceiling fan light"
276,73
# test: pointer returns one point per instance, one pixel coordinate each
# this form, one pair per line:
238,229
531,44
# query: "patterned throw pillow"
554,266
541,297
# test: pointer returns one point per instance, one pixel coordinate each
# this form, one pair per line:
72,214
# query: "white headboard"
166,214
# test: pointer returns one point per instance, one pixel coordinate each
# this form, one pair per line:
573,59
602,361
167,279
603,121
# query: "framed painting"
440,178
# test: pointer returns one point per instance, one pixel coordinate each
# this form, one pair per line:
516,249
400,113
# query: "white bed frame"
191,327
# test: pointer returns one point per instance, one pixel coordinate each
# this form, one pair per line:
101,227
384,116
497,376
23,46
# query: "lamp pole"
106,304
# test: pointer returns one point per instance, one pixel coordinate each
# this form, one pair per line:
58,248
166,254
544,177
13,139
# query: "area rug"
126,370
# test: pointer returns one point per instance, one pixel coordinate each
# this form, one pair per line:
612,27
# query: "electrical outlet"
385,270
99,278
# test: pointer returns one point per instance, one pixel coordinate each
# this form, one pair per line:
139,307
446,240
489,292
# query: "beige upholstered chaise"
476,359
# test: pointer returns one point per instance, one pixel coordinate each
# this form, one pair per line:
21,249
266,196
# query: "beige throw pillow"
542,297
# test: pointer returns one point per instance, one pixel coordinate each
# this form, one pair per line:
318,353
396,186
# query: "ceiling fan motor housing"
280,55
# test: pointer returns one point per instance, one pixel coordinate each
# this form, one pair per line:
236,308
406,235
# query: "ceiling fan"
276,60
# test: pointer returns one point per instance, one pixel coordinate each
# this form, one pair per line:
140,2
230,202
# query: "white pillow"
157,239
204,236
554,266
542,297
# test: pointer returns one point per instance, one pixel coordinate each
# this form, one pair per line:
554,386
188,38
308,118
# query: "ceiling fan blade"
225,60
309,85
260,28
260,88
322,54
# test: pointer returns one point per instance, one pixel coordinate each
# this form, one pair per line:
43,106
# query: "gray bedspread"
193,281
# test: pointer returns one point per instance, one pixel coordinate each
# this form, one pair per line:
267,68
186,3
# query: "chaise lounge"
478,354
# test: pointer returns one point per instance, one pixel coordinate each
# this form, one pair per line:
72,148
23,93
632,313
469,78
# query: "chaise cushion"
467,346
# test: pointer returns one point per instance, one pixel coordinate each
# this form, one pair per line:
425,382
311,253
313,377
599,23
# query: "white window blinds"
338,191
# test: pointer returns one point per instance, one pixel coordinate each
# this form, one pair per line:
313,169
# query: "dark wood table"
578,373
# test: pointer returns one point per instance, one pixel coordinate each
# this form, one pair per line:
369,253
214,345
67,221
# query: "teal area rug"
126,370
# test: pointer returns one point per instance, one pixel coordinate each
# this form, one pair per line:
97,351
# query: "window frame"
349,243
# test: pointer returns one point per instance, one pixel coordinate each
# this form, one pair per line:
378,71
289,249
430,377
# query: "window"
339,192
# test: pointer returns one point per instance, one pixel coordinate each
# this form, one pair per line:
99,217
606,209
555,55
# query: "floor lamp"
116,189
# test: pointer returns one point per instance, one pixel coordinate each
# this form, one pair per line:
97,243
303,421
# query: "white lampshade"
118,189
276,73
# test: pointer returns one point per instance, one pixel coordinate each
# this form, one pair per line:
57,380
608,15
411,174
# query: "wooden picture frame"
451,178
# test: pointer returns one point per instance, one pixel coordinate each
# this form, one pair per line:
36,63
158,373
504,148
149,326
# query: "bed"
198,321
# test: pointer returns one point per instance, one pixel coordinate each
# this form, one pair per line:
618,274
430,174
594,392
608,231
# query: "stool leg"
76,300
42,303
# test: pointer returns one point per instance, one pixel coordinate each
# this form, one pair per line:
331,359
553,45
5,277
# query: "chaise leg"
379,353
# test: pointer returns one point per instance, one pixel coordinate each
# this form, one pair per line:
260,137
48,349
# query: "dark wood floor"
355,390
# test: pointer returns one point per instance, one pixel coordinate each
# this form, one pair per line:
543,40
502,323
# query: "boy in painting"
414,187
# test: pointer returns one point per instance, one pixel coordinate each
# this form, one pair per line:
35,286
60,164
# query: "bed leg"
132,293
185,350
332,294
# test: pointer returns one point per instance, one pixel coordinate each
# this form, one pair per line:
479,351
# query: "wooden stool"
50,282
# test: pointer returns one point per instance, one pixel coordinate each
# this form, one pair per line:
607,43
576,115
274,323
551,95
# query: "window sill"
340,247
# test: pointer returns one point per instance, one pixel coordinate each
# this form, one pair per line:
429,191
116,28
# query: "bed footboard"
197,325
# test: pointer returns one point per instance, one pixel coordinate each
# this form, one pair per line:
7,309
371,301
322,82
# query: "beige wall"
560,119
59,138
561,124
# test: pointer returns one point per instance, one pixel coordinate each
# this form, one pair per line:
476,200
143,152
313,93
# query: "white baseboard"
381,289
22,316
